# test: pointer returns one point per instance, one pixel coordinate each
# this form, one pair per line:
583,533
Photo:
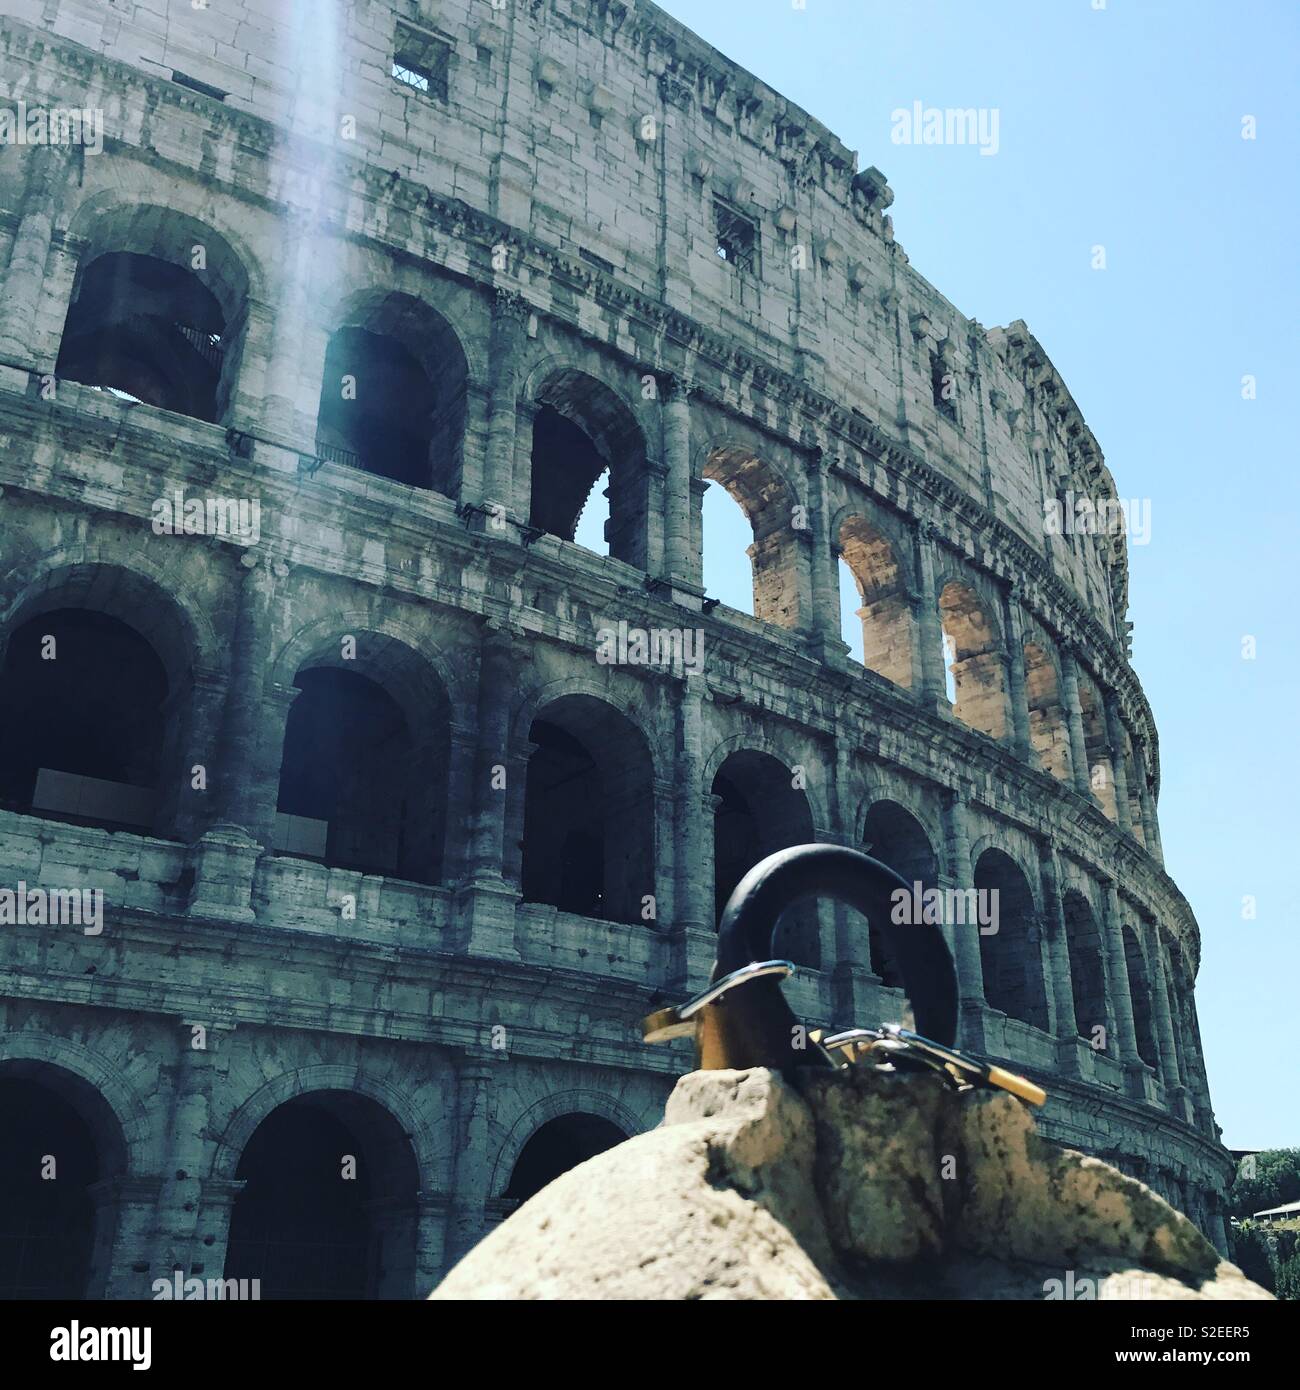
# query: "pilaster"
933,687
1074,722
1118,764
963,936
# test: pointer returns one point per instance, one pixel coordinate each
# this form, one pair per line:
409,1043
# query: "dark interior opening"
564,846
559,1145
81,694
377,408
48,1161
349,761
148,329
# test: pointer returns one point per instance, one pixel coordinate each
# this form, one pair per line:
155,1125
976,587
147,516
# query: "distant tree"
1250,1254
1275,1181
1288,1279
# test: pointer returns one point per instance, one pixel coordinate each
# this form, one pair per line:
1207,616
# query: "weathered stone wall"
533,225
858,1184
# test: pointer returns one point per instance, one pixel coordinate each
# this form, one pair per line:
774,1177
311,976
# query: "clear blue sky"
1122,127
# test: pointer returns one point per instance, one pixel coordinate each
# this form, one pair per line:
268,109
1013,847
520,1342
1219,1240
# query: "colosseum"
352,811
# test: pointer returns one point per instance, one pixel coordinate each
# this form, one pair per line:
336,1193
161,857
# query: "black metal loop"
809,871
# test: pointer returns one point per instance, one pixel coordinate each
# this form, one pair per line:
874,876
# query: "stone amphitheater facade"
395,846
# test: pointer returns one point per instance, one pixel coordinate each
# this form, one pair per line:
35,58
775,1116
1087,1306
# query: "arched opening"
1087,974
768,505
1012,956
81,720
157,313
363,776
393,393
328,1206
57,1138
725,534
1049,732
588,844
557,1146
581,432
760,810
376,408
975,660
885,614
1096,743
147,331
1139,987
895,837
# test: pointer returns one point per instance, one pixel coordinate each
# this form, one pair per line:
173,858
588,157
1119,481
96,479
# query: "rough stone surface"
857,1185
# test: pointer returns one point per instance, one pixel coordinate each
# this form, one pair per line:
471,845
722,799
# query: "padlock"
742,1020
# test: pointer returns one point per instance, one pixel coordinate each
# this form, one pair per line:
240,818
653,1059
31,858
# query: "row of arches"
989,664
364,784
365,775
327,1191
160,313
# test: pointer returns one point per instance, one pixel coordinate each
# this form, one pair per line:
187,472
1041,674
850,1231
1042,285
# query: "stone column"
24,280
1147,803
964,937
246,773
486,900
644,522
245,782
823,627
1017,693
192,718
432,1222
1169,1072
458,837
488,793
472,1160
1058,945
519,504
843,801
125,1209
694,941
1121,997
519,759
1118,764
693,906
679,560
933,687
1182,1101
1194,1073
509,318
178,1238
1074,722
854,985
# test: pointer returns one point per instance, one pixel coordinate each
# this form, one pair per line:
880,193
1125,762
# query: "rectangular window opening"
736,237
422,62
